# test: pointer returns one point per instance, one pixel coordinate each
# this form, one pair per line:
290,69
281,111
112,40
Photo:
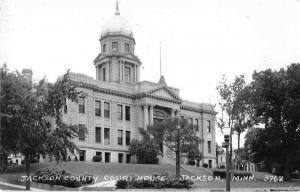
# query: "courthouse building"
116,104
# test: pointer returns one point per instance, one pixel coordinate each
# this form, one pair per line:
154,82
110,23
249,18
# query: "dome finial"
117,8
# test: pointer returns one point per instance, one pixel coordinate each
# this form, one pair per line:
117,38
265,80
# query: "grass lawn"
14,173
101,170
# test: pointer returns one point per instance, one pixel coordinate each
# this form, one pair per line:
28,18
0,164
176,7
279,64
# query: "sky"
200,40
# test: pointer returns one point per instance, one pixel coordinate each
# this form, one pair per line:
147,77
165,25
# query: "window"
128,158
209,163
107,157
120,112
120,137
121,157
190,121
127,47
81,155
103,74
106,109
99,153
81,133
98,134
127,113
115,46
104,48
197,124
209,146
81,104
128,137
106,136
127,74
208,126
98,108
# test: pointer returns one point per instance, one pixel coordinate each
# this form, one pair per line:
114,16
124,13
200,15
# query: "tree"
194,154
26,112
275,100
234,106
173,133
146,150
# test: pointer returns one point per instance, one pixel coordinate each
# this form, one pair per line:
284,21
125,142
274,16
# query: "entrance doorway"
209,163
82,155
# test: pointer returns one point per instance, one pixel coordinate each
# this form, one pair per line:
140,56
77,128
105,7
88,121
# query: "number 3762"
272,178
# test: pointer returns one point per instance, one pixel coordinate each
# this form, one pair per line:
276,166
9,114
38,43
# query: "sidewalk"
7,186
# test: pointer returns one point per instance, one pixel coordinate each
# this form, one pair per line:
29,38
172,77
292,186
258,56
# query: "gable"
162,93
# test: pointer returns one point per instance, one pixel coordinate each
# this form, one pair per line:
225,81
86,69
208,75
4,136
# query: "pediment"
163,92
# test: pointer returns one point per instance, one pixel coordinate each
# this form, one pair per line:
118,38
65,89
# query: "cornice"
122,94
141,95
188,108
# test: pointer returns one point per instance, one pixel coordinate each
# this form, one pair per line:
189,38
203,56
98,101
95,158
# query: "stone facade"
116,104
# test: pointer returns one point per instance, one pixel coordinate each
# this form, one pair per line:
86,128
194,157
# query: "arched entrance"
159,114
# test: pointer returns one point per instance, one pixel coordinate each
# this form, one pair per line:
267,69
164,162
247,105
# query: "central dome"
116,25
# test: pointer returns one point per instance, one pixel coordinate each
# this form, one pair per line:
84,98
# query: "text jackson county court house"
116,104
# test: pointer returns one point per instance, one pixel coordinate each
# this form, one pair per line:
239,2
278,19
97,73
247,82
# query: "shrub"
146,151
191,162
121,184
64,175
219,173
170,181
205,165
222,174
97,158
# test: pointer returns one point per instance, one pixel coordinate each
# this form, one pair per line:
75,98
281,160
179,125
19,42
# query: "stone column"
172,113
120,70
123,71
138,73
151,115
97,72
108,71
145,116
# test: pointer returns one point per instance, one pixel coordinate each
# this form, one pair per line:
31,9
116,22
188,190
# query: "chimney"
27,74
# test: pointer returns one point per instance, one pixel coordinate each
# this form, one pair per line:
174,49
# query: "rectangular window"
120,137
115,46
104,48
209,146
81,133
128,158
127,47
197,124
107,157
120,112
127,74
103,74
128,137
99,153
121,157
98,134
106,109
208,126
127,113
106,136
98,108
81,104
